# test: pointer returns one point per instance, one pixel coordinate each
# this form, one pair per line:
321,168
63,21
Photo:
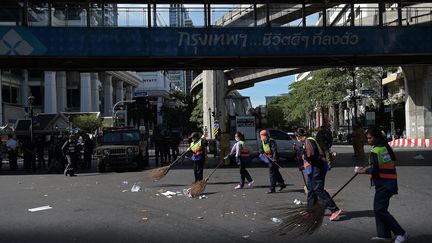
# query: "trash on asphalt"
125,190
245,236
40,208
418,157
144,219
46,195
298,202
200,217
125,182
276,220
135,188
187,193
202,197
168,193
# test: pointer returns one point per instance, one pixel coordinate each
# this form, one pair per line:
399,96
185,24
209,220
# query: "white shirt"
11,144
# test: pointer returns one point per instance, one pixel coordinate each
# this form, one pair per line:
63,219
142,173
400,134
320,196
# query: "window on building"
73,98
10,94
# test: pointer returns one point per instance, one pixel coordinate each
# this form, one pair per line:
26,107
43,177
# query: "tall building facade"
180,79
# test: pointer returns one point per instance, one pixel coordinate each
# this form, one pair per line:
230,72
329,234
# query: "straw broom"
304,219
158,173
198,187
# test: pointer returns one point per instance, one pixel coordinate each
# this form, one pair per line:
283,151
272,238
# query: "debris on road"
187,193
125,190
168,194
125,182
39,208
276,220
202,197
135,188
298,202
200,217
245,236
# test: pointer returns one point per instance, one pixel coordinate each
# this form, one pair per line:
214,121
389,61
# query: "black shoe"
271,191
282,186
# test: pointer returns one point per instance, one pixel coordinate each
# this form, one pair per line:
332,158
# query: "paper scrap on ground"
168,193
187,193
39,208
276,220
135,188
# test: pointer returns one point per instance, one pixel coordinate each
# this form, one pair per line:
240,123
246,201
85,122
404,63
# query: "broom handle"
181,156
301,172
340,189
214,170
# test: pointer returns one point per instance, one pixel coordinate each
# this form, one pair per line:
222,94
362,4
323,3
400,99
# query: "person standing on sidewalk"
269,149
242,156
383,176
315,166
11,146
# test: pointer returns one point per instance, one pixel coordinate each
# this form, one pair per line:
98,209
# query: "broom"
304,219
158,173
198,187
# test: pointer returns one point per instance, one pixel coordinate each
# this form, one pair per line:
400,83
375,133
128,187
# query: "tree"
87,123
197,113
178,112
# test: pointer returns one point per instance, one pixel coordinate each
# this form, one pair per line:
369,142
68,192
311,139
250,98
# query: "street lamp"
116,104
31,99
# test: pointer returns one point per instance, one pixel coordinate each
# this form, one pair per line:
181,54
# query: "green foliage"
87,123
326,87
178,112
197,113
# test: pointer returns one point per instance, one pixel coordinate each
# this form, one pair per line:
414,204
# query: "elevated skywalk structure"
266,45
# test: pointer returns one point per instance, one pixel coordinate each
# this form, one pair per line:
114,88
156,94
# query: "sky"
257,93
271,87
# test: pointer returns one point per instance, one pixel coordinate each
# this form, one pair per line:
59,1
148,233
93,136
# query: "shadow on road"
347,215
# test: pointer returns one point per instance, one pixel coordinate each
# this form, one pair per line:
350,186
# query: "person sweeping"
198,155
316,168
242,156
269,150
383,175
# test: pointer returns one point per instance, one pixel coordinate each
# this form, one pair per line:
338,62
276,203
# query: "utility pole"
354,120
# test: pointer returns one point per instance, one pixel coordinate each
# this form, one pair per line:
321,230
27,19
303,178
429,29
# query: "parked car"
120,147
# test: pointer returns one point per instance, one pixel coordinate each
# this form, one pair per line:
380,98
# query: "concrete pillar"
214,90
129,92
50,92
95,92
119,91
418,105
108,95
25,90
61,91
1,99
85,92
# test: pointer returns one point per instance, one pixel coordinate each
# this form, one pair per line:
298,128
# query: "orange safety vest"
386,165
244,152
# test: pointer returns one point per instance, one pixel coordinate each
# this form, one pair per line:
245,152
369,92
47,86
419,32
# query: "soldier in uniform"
70,149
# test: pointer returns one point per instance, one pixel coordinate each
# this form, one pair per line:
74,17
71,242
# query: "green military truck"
122,147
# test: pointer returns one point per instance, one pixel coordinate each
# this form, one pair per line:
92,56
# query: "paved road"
96,207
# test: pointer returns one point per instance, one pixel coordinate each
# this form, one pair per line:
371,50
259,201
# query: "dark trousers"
198,167
244,174
41,160
12,160
385,222
28,162
316,190
72,164
87,159
275,176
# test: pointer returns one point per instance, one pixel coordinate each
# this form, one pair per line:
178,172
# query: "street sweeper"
383,175
315,166
242,157
269,150
198,147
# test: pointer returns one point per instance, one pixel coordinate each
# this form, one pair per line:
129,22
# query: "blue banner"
213,42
